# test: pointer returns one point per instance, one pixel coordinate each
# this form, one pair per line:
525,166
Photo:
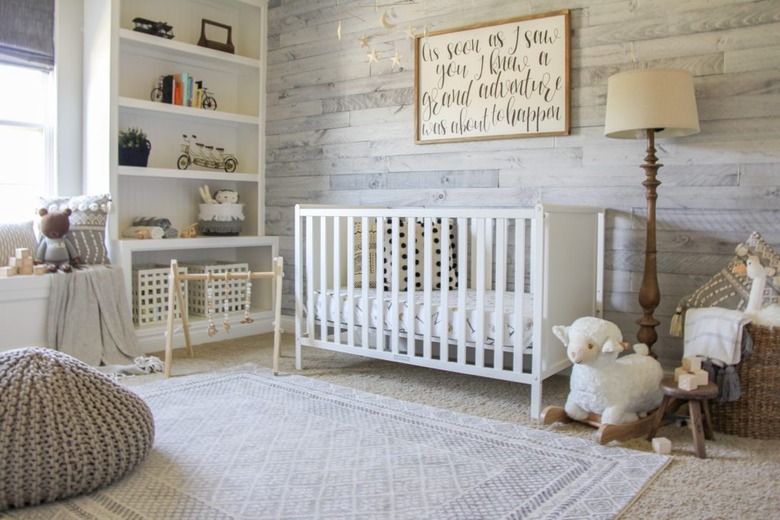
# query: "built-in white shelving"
122,66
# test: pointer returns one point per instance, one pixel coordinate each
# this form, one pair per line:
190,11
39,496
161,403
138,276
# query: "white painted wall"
340,130
68,71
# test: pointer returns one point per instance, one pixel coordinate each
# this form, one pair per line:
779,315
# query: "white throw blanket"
715,333
89,318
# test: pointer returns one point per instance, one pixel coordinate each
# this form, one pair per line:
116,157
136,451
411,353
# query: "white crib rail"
505,250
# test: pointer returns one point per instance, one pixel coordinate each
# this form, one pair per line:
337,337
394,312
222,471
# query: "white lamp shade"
659,99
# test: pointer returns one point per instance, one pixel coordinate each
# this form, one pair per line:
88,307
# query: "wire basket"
234,291
150,294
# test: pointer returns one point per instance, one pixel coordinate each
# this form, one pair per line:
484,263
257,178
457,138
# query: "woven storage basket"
150,294
756,414
234,290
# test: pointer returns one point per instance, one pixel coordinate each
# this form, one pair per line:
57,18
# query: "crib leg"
536,399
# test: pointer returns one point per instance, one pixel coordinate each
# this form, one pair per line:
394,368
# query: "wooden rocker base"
606,432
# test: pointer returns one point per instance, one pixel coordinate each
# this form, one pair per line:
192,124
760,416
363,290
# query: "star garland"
385,23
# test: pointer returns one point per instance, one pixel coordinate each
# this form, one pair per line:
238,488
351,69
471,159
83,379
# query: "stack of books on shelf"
182,89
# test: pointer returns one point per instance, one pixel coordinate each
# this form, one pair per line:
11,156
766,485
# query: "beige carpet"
739,479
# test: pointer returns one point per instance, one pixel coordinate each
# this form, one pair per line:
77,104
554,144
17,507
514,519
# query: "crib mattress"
338,302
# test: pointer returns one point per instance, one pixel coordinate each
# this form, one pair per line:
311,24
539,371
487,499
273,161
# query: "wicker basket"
756,414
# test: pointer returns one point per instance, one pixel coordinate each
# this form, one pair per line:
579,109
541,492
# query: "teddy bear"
55,250
621,389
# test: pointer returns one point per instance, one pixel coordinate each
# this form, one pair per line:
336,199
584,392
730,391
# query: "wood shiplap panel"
340,130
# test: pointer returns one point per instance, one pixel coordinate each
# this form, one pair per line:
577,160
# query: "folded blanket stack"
717,335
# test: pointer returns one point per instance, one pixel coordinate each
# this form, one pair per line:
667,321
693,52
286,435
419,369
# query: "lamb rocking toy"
614,393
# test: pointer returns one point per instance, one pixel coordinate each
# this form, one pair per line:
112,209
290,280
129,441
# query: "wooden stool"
698,402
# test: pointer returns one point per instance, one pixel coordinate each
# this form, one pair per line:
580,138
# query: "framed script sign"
493,81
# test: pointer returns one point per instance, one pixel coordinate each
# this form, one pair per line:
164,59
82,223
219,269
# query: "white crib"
464,311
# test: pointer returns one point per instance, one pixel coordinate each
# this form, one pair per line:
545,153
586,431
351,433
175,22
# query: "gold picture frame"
496,80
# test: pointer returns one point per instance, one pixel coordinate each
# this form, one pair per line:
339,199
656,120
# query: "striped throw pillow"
13,236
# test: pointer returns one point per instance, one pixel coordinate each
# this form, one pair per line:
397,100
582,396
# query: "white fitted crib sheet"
340,302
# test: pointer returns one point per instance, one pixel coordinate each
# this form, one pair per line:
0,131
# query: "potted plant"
134,147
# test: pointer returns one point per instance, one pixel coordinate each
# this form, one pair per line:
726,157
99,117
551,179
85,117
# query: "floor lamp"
650,103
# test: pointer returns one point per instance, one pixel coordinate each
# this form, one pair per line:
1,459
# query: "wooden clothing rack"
175,296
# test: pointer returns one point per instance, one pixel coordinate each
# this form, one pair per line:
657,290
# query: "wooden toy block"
7,271
692,363
702,377
17,262
687,382
11,261
39,269
27,265
678,372
23,252
662,445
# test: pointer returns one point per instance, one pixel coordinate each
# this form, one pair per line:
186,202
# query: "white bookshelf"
122,66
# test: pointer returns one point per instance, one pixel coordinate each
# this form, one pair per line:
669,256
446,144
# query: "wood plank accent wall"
341,130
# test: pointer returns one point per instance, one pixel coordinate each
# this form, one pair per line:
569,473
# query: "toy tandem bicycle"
206,156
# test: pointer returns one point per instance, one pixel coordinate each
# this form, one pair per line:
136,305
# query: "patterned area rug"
251,445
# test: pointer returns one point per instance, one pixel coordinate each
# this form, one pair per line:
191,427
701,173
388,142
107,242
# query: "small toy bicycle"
206,156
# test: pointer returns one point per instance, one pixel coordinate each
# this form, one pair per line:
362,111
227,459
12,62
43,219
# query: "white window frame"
47,124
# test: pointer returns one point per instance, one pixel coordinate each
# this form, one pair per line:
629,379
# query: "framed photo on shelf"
207,27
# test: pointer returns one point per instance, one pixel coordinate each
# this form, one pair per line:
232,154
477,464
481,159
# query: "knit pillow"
87,224
13,236
65,428
358,253
448,271
729,289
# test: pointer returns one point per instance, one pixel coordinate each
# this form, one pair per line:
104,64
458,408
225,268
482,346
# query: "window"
26,140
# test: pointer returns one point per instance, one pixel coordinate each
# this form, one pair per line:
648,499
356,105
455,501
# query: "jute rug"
247,444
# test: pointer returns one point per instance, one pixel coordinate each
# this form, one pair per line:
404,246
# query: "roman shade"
27,33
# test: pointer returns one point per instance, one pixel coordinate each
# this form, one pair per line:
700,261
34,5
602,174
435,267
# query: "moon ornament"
383,21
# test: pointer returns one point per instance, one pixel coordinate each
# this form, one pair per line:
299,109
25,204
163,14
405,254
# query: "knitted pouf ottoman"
65,428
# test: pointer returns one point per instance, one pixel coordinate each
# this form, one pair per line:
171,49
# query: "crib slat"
337,263
365,254
350,309
444,308
428,268
411,307
310,279
463,286
324,280
501,258
380,285
396,282
481,266
519,318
